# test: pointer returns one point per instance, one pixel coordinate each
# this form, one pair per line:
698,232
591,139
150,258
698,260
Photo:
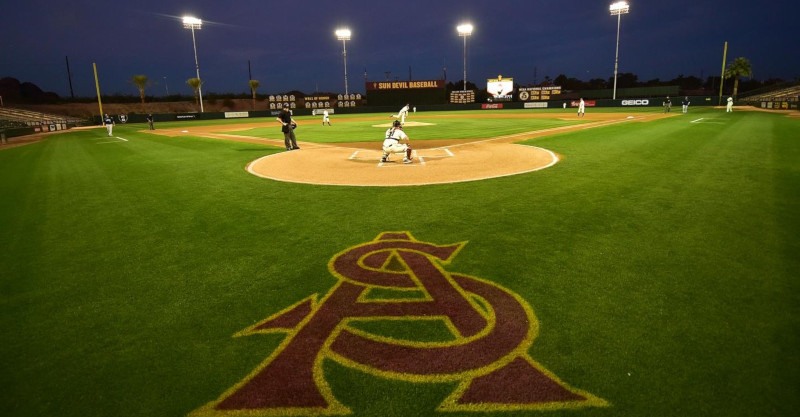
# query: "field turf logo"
396,280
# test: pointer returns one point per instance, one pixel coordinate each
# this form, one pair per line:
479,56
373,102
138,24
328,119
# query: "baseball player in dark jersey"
108,122
287,127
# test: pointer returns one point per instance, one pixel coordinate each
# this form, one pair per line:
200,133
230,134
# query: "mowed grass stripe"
664,250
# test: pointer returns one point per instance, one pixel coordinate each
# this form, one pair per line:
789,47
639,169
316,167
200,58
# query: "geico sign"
635,102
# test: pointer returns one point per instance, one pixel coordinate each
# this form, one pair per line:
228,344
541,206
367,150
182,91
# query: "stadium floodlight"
195,23
343,35
618,9
465,29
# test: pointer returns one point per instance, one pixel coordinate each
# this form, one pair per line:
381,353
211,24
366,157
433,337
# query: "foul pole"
722,75
97,86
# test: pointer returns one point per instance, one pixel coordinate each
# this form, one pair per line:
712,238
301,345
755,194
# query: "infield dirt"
436,161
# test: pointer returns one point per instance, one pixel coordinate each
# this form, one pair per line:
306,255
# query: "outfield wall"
652,102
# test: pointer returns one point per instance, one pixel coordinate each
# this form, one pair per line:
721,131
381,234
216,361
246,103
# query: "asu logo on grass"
396,278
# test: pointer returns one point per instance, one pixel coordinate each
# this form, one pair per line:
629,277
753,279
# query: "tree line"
12,90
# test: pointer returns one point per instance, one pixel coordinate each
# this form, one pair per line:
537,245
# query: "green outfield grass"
660,259
372,131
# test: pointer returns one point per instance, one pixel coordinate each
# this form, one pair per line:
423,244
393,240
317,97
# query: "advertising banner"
536,105
587,103
404,85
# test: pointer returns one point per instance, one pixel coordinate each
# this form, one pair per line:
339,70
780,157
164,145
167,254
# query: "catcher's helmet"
396,123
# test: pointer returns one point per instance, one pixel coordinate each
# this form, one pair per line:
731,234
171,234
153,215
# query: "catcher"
392,143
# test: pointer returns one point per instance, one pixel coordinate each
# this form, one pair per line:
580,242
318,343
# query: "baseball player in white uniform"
402,114
581,108
326,117
729,108
392,143
108,122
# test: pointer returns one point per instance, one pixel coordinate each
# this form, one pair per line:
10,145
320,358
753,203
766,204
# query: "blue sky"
291,45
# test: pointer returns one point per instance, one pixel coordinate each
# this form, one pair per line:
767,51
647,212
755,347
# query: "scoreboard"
539,93
462,97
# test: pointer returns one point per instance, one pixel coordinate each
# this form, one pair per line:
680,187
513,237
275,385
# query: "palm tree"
740,67
195,83
253,86
141,82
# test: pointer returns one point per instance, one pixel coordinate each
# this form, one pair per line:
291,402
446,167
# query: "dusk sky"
291,44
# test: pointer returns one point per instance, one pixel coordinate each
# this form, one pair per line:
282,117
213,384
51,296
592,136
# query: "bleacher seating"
783,93
9,115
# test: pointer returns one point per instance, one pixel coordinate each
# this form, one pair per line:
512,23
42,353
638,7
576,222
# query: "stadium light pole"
618,9
343,35
465,30
195,23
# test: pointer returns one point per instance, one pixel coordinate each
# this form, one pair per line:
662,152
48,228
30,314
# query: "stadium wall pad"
17,131
552,104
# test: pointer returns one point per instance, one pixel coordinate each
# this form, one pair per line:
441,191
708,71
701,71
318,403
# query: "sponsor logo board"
636,102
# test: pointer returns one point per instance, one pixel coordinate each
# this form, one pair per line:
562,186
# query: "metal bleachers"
783,93
15,117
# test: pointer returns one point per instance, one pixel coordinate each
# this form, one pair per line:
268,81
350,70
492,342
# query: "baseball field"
526,263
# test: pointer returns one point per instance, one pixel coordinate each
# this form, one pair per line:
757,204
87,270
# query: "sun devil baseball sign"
397,280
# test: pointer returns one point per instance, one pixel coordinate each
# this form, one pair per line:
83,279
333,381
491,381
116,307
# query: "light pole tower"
343,35
465,30
618,9
194,23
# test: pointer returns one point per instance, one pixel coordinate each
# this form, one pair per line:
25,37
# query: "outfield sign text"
405,85
636,102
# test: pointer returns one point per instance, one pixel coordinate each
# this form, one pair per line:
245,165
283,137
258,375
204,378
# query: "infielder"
685,104
108,122
392,143
729,108
402,114
326,117
582,108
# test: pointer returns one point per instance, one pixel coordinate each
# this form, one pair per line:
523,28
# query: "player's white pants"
109,127
401,116
400,148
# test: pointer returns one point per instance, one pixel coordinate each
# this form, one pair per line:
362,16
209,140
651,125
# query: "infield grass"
660,259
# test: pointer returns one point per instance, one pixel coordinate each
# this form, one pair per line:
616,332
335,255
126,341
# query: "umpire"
287,127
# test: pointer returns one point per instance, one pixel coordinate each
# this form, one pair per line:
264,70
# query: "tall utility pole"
619,8
344,36
465,30
194,23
